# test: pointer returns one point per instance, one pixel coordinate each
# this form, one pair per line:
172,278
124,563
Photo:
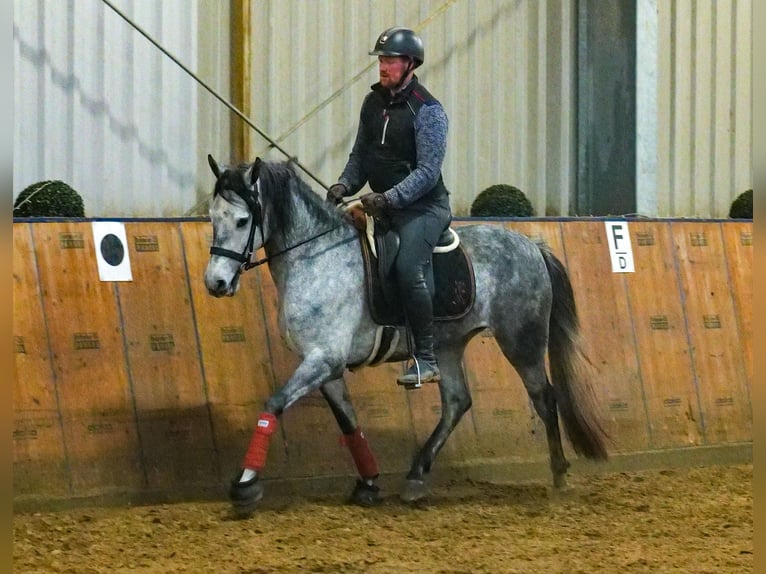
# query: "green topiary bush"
742,206
502,201
49,199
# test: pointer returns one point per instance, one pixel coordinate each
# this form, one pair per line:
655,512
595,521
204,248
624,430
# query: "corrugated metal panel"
101,108
213,117
704,106
502,70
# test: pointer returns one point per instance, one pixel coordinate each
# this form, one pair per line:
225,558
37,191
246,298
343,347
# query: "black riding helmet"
399,41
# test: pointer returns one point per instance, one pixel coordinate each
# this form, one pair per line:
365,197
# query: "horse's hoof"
560,483
244,497
413,490
559,470
365,494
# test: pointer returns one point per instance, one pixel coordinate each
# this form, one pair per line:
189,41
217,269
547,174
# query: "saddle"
453,273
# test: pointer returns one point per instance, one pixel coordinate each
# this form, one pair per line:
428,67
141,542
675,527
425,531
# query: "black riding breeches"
419,228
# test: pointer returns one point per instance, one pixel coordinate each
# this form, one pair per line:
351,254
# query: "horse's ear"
255,170
214,166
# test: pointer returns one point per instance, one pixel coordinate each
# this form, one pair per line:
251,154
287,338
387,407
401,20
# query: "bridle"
252,198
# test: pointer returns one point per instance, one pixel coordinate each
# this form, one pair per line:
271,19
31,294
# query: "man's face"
391,69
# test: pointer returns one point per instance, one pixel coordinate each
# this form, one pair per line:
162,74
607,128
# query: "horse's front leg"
314,371
366,492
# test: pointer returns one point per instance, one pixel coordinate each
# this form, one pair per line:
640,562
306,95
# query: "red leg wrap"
255,458
360,451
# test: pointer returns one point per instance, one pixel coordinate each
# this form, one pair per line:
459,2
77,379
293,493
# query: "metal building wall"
505,72
704,106
501,68
99,107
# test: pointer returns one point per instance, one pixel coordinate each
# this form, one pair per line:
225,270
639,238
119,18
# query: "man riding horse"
399,150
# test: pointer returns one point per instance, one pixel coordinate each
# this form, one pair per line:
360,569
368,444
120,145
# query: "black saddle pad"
453,279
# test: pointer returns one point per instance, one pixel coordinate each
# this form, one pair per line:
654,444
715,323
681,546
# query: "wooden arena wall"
152,385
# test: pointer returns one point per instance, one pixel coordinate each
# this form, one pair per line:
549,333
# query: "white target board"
112,254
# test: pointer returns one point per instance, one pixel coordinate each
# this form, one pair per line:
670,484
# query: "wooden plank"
738,243
507,427
312,440
547,232
607,334
89,361
176,448
164,361
387,422
505,421
661,338
717,356
486,368
39,453
236,354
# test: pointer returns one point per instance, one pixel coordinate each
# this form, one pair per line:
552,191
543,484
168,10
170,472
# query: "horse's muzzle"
221,287
217,293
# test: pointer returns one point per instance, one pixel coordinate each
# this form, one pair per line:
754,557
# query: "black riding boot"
418,307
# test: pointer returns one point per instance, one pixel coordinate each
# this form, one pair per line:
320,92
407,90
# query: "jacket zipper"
385,126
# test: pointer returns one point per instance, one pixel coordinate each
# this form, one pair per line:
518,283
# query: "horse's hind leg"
544,400
525,350
455,402
366,492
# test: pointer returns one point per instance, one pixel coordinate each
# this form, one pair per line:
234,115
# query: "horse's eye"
242,221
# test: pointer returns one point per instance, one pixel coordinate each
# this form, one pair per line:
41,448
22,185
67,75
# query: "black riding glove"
374,204
336,193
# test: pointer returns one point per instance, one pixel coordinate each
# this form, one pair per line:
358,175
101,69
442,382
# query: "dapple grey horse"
523,295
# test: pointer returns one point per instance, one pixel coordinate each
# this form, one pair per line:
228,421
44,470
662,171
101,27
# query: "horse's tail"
575,397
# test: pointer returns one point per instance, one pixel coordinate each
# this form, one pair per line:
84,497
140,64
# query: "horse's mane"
285,191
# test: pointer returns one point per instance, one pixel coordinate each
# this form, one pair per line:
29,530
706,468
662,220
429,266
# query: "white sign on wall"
112,251
620,250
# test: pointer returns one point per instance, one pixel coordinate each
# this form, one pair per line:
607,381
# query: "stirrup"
415,376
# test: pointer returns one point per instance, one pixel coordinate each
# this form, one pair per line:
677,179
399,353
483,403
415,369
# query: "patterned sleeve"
431,125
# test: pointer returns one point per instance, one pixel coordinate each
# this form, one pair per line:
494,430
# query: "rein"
253,204
266,259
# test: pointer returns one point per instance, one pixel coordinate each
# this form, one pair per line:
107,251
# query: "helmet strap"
405,75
